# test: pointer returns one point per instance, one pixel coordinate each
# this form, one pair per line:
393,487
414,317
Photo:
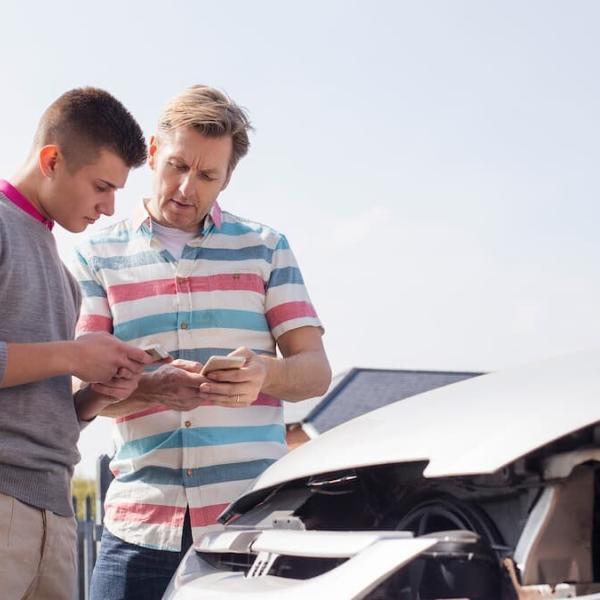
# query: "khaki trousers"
37,553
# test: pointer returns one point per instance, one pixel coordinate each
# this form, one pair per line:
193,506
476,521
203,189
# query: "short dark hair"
83,121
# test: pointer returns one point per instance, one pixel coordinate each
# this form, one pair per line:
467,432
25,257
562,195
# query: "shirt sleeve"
288,305
3,359
95,314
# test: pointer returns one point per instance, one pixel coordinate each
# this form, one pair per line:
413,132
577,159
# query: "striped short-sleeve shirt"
236,284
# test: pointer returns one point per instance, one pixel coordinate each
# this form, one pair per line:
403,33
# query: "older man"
85,144
201,282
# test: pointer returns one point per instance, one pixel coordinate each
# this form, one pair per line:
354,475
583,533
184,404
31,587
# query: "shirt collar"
15,196
141,216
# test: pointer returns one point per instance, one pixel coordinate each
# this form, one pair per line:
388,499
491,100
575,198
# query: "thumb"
187,365
242,351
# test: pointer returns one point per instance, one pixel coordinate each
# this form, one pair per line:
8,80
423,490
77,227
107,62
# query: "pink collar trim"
15,196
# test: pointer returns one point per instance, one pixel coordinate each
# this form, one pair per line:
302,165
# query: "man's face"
190,170
75,200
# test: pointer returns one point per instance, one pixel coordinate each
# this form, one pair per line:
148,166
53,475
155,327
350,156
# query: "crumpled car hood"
472,427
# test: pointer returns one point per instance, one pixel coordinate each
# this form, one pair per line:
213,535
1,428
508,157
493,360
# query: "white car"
484,489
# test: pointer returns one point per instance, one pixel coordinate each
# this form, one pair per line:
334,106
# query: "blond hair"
211,113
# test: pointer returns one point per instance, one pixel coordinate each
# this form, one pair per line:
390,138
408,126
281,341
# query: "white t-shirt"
173,239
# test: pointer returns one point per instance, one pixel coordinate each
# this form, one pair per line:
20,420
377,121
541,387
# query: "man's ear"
152,150
48,157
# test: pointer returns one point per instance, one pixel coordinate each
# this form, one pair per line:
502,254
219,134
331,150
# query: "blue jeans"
129,572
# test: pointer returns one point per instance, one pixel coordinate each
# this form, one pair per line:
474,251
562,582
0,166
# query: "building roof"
359,391
296,412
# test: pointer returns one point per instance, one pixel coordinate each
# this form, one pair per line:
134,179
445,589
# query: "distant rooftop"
359,391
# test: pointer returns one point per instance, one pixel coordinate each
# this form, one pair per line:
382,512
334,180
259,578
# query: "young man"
200,282
84,146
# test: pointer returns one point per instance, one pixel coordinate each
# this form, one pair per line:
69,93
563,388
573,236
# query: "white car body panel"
499,416
377,555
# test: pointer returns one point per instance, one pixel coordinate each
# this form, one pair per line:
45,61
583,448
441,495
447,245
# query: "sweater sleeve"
3,359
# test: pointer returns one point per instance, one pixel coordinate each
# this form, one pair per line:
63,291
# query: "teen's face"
76,200
190,171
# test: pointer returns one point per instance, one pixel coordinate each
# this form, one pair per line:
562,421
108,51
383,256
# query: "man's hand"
101,357
117,389
175,385
236,388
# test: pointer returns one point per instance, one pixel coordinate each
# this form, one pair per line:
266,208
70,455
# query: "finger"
242,351
240,375
134,367
229,402
221,389
108,391
124,373
137,355
185,405
187,365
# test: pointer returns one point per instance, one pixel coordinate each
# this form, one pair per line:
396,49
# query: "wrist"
89,403
66,356
273,368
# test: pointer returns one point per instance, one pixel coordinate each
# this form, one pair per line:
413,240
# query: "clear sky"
434,164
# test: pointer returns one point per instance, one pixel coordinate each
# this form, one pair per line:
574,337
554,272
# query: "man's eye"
101,188
178,166
207,177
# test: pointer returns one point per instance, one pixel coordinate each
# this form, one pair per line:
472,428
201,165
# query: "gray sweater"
39,302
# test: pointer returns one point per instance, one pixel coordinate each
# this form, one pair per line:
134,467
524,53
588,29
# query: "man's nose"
186,185
107,207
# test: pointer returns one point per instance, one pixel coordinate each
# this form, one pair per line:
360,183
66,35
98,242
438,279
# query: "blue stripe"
197,319
282,244
229,254
120,236
203,354
91,289
241,228
199,476
285,275
196,437
139,259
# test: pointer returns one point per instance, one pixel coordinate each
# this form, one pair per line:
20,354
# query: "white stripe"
288,292
202,456
203,416
295,324
283,258
192,339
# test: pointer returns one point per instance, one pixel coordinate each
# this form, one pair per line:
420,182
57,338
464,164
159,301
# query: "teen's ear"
152,150
48,158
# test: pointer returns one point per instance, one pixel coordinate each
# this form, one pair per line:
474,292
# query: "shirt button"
188,423
189,472
184,325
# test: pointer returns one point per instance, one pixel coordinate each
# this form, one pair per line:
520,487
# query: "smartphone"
155,351
221,363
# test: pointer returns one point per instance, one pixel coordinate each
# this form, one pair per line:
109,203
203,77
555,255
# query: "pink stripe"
206,515
158,287
265,400
91,323
15,196
289,311
232,281
142,413
135,291
136,512
215,213
261,400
